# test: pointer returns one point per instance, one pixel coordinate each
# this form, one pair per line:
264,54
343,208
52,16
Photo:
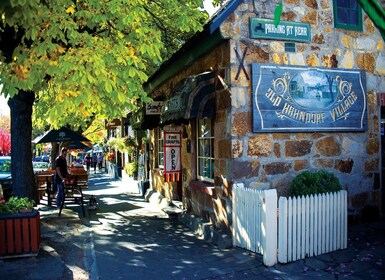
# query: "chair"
73,193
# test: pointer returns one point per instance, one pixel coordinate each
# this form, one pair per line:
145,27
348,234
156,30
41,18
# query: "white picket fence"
300,227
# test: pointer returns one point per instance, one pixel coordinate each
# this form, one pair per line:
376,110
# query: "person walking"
88,162
61,173
100,161
94,161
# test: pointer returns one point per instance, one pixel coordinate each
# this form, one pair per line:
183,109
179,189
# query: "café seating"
44,184
76,181
81,176
72,193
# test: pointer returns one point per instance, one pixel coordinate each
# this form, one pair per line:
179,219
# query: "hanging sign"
172,154
295,99
289,31
154,108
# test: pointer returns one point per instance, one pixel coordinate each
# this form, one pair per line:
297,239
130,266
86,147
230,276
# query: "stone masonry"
276,158
272,160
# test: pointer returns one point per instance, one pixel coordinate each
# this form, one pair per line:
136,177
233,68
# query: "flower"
110,157
15,205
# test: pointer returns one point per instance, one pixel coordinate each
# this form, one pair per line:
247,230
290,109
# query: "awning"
193,99
59,135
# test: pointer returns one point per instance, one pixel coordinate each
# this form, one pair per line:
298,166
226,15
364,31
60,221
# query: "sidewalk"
127,238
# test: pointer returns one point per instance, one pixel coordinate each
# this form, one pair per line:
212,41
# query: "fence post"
269,222
282,230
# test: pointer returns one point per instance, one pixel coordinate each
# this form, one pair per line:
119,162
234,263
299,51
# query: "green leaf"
277,14
108,86
90,78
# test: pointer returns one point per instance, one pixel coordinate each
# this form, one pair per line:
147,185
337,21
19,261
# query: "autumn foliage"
5,142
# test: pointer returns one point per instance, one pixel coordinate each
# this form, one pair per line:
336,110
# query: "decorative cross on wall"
241,66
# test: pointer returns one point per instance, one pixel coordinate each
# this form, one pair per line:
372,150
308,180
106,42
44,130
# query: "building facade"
250,101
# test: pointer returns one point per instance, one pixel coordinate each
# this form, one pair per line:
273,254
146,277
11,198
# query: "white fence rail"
305,227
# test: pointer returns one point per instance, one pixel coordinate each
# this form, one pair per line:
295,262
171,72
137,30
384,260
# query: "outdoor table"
71,186
47,178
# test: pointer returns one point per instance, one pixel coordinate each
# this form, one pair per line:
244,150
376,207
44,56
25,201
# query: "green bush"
15,205
307,183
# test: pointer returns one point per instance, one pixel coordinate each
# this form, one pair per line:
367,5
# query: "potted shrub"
19,228
131,168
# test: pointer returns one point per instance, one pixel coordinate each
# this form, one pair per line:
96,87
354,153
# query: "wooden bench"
44,183
80,175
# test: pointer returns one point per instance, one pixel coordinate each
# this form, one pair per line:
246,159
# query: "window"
205,150
347,14
160,154
289,47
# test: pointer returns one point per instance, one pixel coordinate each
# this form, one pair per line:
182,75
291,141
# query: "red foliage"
5,142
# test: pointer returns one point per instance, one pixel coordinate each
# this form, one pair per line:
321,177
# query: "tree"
72,60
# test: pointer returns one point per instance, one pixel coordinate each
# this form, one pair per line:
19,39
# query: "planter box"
19,235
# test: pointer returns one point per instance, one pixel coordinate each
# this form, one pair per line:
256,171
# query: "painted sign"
174,104
289,31
172,155
154,108
294,99
113,123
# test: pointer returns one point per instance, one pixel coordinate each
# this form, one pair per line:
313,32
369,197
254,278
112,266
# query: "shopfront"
251,102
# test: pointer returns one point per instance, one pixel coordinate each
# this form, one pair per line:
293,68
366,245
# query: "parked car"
5,177
40,166
44,158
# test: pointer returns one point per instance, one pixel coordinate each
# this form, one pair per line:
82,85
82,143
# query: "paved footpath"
127,238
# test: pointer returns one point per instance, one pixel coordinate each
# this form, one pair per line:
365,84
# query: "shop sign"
300,99
154,108
172,149
112,124
174,104
289,31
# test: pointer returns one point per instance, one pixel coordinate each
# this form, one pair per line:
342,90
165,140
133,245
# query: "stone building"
249,101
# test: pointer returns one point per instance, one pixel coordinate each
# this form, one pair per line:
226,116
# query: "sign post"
172,156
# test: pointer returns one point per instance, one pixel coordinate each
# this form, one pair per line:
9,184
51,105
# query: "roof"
199,44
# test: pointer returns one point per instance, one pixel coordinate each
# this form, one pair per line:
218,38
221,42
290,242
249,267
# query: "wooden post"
269,220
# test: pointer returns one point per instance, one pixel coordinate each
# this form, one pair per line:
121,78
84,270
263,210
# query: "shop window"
347,14
205,144
160,149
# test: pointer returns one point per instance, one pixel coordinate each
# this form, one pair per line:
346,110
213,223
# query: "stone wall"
271,160
202,199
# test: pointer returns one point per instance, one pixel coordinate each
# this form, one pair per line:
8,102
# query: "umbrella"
59,135
79,146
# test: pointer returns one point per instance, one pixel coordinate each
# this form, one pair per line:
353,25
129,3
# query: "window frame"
210,159
160,148
353,27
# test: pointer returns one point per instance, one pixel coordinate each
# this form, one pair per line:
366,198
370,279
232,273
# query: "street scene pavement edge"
129,238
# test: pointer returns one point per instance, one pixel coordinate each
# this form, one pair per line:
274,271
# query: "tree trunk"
54,153
23,179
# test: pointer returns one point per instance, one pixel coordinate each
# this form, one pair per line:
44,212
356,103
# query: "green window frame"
205,155
160,150
347,14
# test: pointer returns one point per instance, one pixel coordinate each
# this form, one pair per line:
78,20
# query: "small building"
249,101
